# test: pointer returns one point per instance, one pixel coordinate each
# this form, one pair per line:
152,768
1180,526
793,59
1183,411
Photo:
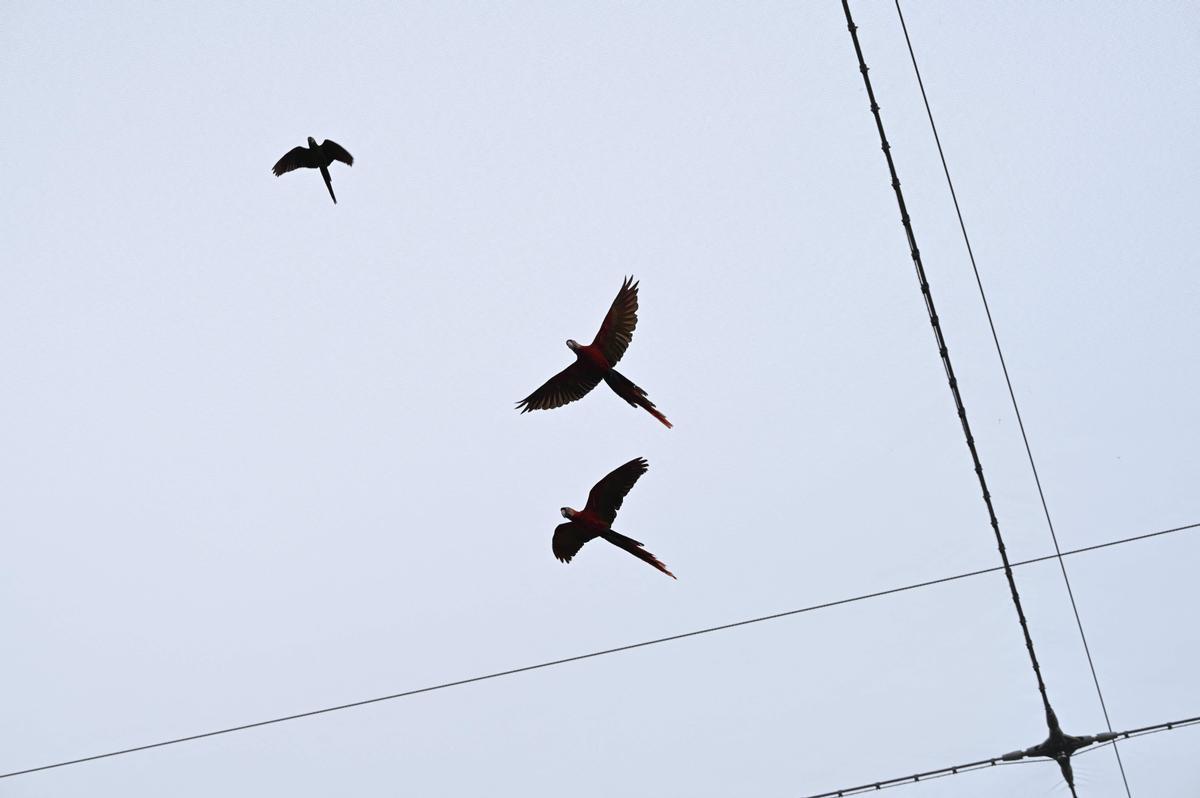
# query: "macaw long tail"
623,387
646,403
633,547
328,183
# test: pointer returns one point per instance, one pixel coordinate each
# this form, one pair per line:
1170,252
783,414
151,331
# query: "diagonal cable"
1011,393
944,352
593,654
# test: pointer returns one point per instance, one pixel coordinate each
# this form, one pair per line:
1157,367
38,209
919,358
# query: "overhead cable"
1011,393
591,655
944,354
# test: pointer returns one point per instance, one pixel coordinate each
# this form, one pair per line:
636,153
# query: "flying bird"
315,156
595,362
596,518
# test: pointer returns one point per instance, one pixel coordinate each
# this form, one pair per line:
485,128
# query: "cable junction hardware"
1058,749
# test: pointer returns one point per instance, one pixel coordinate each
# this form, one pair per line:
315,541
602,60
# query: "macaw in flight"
596,518
315,156
595,362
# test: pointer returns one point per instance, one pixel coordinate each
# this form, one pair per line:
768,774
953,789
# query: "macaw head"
573,345
567,512
312,142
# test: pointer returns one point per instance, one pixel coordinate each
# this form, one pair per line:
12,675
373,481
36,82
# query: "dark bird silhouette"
595,362
596,518
315,156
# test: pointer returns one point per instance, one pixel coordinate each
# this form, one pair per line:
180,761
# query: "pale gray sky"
259,453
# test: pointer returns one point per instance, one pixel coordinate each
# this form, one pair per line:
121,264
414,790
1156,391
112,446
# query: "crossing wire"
944,353
1011,393
601,653
967,767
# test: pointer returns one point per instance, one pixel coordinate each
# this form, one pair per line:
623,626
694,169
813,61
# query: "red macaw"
315,156
595,362
597,516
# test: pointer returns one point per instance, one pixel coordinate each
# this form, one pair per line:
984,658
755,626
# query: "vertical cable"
944,353
1011,393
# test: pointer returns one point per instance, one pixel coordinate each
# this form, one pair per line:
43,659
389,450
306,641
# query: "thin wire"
944,352
981,764
603,652
1011,393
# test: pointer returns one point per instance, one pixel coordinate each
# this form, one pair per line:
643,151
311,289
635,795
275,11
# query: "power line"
1011,393
1142,732
600,653
1014,758
928,775
944,353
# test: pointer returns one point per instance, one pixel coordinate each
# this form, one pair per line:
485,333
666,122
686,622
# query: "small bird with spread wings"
315,156
595,362
596,518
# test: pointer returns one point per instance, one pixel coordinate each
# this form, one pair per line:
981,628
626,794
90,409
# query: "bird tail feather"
635,548
328,183
623,387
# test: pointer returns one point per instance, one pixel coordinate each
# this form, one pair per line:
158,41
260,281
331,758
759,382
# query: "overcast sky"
258,452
